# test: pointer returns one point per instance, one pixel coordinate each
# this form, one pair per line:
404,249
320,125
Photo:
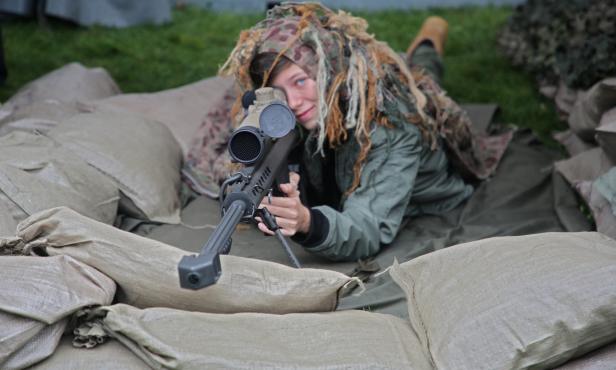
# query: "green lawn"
152,58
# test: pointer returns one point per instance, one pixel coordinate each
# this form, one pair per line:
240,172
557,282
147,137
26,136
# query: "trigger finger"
294,178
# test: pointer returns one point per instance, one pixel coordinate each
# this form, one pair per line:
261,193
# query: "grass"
152,58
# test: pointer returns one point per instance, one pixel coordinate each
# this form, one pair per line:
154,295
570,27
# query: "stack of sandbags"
121,138
589,108
523,302
512,302
259,314
39,295
592,120
533,301
146,271
585,116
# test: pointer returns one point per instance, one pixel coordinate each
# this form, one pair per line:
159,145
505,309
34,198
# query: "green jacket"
401,178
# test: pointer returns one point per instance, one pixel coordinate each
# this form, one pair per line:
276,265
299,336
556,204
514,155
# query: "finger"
286,223
264,229
287,232
290,190
294,178
283,212
280,202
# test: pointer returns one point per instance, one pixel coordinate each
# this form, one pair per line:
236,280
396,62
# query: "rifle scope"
268,118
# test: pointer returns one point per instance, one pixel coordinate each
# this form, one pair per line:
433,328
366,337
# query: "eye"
300,82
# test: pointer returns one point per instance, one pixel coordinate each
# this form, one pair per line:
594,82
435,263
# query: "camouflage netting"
569,40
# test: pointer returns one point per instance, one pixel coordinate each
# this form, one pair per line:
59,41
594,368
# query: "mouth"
306,114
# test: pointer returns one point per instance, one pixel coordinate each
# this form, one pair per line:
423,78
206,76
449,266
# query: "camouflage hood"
282,37
351,69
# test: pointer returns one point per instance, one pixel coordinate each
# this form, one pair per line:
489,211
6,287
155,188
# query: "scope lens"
276,120
245,147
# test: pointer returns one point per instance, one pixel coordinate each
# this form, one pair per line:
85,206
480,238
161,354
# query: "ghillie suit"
569,40
361,82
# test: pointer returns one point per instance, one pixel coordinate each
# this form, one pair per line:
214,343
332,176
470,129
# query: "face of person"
301,91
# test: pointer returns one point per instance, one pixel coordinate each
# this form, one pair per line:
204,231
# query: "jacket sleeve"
373,213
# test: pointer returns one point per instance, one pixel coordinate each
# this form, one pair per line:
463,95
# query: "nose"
294,100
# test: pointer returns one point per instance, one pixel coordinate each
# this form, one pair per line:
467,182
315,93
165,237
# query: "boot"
434,29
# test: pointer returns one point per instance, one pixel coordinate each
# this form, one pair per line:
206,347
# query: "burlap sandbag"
71,82
181,109
41,344
174,339
572,143
606,133
586,166
522,302
590,106
7,222
147,274
37,174
111,356
40,116
140,155
38,296
603,358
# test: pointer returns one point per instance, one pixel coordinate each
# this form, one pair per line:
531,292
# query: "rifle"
262,143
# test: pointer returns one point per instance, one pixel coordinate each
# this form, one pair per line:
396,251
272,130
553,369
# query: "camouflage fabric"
475,157
571,40
281,34
208,157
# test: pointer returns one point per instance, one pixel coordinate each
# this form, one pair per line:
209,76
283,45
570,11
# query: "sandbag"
174,339
532,301
572,143
38,296
606,133
72,82
7,222
139,155
146,270
40,346
603,358
590,106
181,109
111,356
565,98
37,174
586,166
40,116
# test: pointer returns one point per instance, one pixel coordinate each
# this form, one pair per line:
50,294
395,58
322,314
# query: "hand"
291,215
